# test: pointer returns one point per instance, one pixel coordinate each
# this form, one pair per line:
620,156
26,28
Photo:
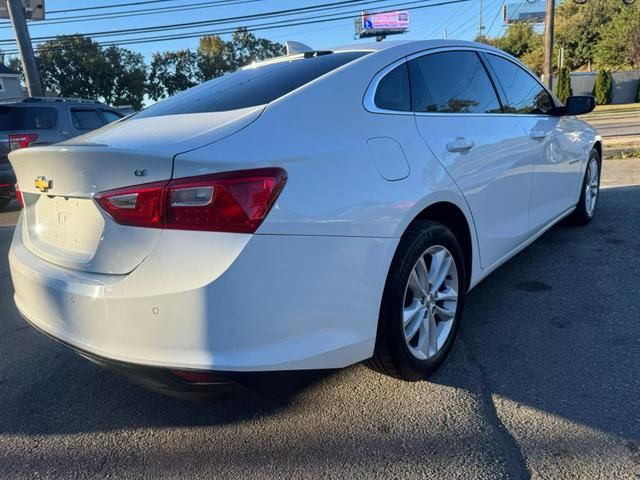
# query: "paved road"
544,382
616,124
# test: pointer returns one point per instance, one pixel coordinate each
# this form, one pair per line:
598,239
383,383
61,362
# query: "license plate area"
67,227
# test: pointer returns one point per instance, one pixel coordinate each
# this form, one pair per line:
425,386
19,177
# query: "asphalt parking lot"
544,382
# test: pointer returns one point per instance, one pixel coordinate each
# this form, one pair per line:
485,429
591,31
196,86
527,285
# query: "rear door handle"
460,144
537,134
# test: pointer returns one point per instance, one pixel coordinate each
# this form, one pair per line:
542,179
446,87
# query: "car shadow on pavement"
556,330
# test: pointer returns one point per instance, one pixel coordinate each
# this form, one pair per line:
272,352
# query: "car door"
555,146
459,116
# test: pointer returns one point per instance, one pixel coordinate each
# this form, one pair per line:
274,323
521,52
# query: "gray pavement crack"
514,455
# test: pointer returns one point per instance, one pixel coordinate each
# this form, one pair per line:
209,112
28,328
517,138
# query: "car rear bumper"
273,303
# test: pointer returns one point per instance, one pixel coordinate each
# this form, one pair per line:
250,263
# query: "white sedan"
307,212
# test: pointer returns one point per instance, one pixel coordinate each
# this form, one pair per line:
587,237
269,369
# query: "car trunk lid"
63,224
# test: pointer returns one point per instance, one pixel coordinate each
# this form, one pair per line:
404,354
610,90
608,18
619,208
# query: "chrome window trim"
535,78
369,96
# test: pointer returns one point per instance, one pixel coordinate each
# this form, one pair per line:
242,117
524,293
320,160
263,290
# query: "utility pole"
480,27
547,75
31,74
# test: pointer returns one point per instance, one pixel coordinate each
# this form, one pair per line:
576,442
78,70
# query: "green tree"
581,28
519,39
172,72
76,66
15,64
619,46
603,89
71,65
123,81
563,90
213,57
246,48
217,57
522,41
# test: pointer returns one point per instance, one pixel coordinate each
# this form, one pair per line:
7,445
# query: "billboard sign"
386,21
383,23
527,12
33,9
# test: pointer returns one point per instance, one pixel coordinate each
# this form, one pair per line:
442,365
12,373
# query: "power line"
101,7
251,28
458,31
136,13
446,22
242,18
202,23
494,19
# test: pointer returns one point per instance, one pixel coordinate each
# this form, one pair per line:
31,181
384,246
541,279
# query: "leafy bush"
563,90
603,89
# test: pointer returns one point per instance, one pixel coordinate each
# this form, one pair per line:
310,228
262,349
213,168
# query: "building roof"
4,70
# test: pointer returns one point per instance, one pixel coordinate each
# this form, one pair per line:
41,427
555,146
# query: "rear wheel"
422,303
586,208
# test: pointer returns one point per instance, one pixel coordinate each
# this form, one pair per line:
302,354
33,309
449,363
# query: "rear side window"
86,119
524,93
27,118
452,82
393,91
250,87
110,116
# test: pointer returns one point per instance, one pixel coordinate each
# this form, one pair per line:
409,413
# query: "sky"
460,21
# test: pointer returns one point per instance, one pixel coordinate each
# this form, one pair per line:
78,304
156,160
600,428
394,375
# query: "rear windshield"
250,87
31,118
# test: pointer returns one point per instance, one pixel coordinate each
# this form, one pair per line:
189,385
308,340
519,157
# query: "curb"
619,152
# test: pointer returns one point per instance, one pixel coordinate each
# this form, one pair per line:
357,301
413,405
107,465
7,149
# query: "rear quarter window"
86,119
110,116
250,87
27,118
393,91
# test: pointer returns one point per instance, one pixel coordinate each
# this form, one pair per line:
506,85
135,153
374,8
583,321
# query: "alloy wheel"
591,187
430,302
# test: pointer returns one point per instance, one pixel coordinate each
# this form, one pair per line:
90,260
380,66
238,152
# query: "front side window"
86,119
393,91
250,87
524,94
452,82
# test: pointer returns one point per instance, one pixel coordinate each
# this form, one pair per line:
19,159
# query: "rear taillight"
19,196
229,202
139,206
23,140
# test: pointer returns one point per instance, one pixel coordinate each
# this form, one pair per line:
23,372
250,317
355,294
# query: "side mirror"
579,105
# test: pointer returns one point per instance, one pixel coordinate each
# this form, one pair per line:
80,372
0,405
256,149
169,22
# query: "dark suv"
42,121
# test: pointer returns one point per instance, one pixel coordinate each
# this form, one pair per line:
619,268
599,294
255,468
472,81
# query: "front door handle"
537,134
460,144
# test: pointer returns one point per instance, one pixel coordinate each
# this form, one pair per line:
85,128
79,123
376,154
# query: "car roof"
407,47
51,102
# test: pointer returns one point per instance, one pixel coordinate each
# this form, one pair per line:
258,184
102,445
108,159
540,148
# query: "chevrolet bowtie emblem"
43,184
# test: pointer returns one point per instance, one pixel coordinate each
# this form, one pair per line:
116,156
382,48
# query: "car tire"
590,191
397,353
